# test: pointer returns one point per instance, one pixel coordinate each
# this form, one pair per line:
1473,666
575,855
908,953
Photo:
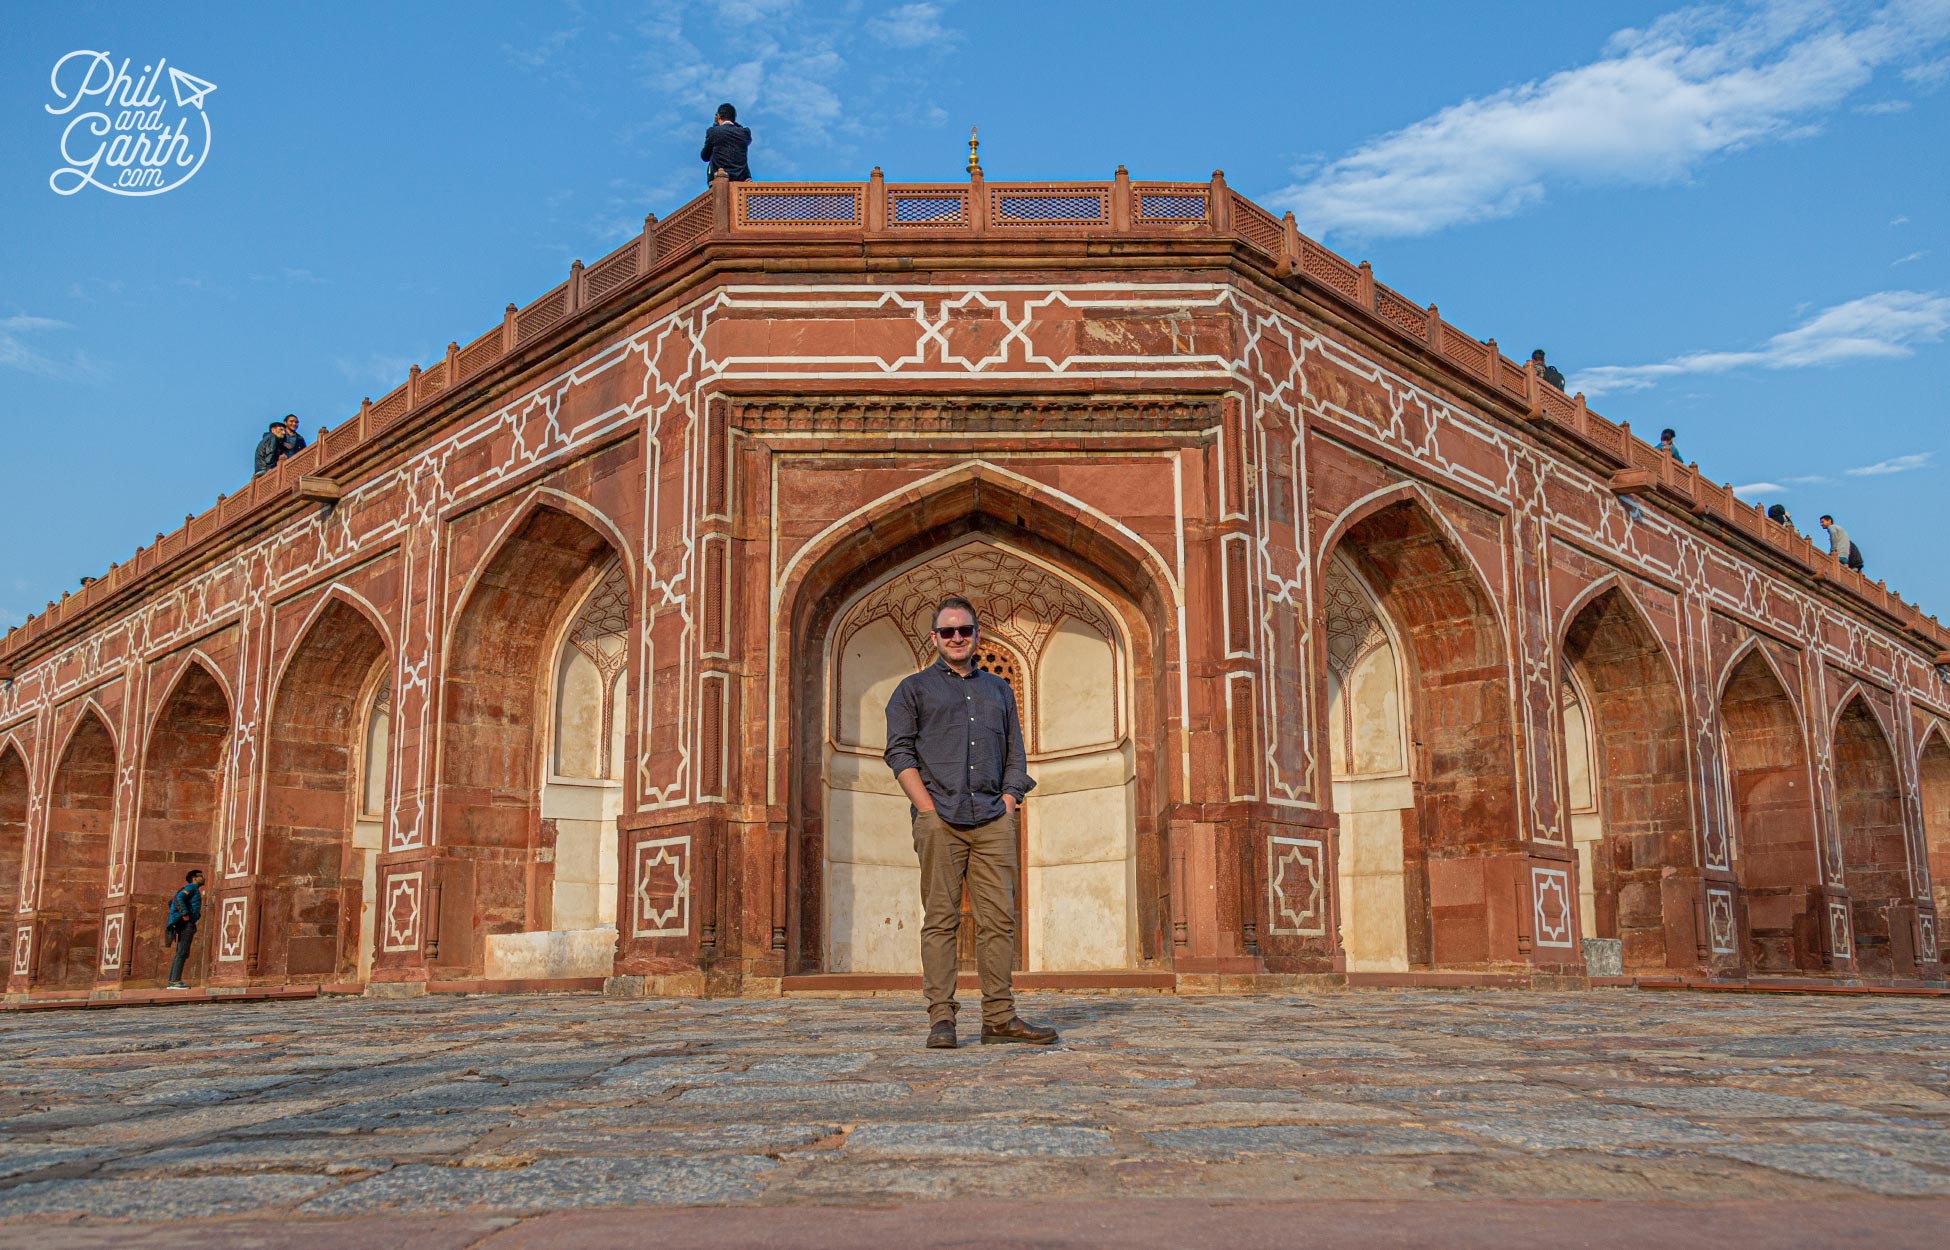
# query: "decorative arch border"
86,706
536,499
1597,590
1116,615
1752,643
195,658
1858,689
336,591
1412,492
789,580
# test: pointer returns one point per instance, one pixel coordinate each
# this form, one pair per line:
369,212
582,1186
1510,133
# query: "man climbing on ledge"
185,911
1840,545
954,742
725,145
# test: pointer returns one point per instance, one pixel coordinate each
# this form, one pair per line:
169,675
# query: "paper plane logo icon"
190,89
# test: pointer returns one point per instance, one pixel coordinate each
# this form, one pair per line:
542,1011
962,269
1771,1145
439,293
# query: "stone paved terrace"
341,1117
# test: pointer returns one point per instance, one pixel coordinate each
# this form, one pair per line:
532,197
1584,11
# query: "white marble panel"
1080,917
873,917
1076,690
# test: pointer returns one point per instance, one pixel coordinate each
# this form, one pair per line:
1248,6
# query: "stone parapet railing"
877,210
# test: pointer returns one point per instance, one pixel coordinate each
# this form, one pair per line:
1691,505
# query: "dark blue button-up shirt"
963,735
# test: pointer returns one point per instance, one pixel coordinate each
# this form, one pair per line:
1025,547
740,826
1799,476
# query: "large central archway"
1076,614
1064,653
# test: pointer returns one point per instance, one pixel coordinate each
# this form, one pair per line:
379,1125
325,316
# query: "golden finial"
974,159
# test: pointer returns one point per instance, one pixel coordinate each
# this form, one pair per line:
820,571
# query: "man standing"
1549,373
725,145
185,910
955,744
270,448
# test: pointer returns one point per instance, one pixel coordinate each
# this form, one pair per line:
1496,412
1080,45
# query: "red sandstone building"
1338,651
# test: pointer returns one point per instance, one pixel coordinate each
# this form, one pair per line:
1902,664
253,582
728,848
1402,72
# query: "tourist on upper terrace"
725,145
1776,512
1839,544
1666,445
270,448
1547,372
185,911
293,442
954,741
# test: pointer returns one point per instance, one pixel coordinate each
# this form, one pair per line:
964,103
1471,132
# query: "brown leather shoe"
1015,1030
941,1035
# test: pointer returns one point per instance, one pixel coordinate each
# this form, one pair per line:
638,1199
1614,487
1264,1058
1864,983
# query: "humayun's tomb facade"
1347,648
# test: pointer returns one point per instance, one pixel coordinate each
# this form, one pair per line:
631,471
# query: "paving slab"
326,1112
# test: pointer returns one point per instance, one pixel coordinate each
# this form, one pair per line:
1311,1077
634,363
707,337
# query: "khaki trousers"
985,857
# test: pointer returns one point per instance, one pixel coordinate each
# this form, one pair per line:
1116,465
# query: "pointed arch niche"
14,792
517,708
1933,787
1775,855
1461,761
1625,762
317,857
1869,816
583,794
74,863
1374,792
180,815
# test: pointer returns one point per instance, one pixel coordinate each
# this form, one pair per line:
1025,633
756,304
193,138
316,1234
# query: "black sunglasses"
954,631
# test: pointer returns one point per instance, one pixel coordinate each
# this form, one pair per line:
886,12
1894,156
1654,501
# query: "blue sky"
1728,219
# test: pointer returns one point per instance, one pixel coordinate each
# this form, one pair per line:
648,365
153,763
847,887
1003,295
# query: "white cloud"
1755,489
1930,75
1884,325
745,12
1913,256
1895,464
809,80
1883,108
912,26
1899,221
1658,104
16,352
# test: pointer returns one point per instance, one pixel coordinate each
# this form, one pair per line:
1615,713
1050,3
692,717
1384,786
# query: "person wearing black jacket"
270,448
725,145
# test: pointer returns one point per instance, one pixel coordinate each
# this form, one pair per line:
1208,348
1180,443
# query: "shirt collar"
941,662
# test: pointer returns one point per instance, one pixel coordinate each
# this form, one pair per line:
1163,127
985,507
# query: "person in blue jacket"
185,911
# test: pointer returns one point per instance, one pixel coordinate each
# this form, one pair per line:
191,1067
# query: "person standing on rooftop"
725,145
1666,445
